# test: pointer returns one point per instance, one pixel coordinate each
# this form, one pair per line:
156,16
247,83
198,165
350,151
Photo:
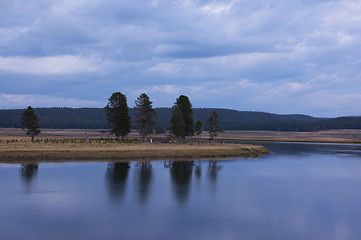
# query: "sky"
278,56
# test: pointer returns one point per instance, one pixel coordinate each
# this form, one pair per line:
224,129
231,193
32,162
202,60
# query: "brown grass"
335,136
329,136
18,149
23,149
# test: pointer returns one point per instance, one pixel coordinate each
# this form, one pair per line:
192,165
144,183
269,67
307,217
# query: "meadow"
15,148
97,145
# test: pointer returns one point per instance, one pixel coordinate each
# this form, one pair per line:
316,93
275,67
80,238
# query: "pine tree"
30,123
117,112
144,115
177,123
185,107
213,126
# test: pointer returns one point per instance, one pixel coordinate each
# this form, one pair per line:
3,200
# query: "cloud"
280,97
164,68
216,8
247,84
24,100
250,55
8,34
64,64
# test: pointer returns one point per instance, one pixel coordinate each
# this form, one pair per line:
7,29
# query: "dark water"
298,191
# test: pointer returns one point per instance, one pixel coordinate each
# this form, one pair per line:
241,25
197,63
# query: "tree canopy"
177,123
30,123
117,113
198,128
144,115
182,110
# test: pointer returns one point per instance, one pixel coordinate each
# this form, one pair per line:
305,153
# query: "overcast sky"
280,56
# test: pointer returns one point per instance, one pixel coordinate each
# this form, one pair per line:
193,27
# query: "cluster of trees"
181,123
178,119
119,120
117,112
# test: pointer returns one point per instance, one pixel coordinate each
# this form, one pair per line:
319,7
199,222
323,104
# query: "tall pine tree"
30,123
183,105
144,115
117,112
177,123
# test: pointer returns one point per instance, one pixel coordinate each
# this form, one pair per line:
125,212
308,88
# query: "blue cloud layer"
279,56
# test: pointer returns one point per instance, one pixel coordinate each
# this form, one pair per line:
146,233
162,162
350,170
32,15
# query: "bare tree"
213,126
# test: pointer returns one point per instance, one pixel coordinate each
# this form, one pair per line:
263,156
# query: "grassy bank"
329,136
22,149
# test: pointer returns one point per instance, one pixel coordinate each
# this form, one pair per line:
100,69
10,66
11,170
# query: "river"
297,191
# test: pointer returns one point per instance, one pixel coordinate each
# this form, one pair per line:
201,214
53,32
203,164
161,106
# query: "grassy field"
335,136
68,145
14,149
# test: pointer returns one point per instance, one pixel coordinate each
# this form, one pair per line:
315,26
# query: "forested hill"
94,118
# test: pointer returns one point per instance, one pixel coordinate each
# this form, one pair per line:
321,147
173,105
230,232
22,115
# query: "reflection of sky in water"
302,191
311,148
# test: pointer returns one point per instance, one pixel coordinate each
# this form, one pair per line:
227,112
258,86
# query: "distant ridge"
94,118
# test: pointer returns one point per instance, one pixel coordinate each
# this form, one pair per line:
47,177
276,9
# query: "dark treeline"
94,118
59,118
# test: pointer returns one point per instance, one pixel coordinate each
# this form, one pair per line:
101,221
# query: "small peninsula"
18,150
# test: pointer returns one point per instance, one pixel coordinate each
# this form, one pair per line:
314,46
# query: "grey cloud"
178,44
208,49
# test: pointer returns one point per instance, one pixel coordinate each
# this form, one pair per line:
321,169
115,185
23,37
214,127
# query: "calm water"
298,191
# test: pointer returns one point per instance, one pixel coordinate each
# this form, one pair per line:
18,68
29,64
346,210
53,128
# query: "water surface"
298,191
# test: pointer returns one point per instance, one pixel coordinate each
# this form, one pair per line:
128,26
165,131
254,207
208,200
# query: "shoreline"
352,136
20,152
290,140
66,145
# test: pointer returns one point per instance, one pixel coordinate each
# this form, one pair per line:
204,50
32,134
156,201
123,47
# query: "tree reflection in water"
213,170
116,177
198,170
181,174
144,176
28,172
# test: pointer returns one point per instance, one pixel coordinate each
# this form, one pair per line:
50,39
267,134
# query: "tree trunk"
32,137
212,137
143,138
